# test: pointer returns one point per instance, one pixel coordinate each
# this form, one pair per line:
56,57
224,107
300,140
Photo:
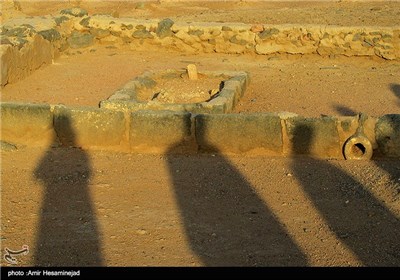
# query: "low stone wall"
26,44
234,84
279,134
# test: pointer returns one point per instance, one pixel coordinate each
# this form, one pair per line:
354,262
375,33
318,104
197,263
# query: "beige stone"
192,72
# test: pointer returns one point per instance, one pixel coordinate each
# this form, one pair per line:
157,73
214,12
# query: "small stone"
140,26
142,34
80,40
59,20
19,32
50,35
164,28
235,40
141,232
267,33
85,22
197,32
76,12
257,28
226,28
99,33
5,146
128,27
192,72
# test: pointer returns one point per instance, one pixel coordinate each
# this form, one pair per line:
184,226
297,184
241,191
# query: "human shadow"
356,217
396,90
67,233
226,222
344,110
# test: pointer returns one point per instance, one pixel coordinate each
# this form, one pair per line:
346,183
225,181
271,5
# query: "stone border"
182,132
234,86
27,44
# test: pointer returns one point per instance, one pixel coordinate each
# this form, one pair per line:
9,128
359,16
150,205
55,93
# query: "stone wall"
279,134
27,44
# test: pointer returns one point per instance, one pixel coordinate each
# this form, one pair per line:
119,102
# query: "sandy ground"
344,13
306,85
73,207
76,207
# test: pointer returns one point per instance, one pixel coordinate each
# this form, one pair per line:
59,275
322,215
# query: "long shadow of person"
357,218
226,222
396,90
68,233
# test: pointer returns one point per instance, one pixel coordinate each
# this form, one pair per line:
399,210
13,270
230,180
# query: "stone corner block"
25,123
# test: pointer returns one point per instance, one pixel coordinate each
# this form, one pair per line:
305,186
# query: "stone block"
387,133
30,124
88,127
313,136
239,133
161,131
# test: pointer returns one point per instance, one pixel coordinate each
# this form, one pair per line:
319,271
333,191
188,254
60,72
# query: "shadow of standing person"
226,222
396,90
355,216
67,233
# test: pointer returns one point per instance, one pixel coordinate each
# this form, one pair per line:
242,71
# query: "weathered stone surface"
18,63
196,32
99,33
234,40
50,35
6,147
26,123
146,82
5,41
80,40
161,131
61,19
257,28
76,12
142,34
237,133
313,136
164,28
20,31
85,21
268,33
88,127
387,133
226,28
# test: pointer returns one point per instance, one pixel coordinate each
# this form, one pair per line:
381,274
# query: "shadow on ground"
344,110
226,222
357,218
68,233
396,91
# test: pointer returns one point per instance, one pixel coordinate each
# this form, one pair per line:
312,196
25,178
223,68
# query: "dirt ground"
73,207
76,208
306,85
